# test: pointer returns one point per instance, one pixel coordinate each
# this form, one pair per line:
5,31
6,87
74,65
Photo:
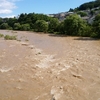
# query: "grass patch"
26,40
19,40
1,35
14,32
8,37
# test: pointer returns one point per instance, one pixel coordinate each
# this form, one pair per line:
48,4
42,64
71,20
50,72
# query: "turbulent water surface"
40,66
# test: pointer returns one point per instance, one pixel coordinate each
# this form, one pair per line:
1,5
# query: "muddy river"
40,66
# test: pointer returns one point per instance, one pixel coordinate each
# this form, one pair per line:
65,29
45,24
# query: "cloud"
9,16
7,6
5,11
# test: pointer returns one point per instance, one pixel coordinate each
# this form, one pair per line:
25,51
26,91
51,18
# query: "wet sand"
47,67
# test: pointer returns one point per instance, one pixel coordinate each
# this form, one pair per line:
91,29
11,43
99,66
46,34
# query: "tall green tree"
4,26
1,21
96,26
25,27
53,25
41,26
61,29
17,26
12,21
74,25
22,18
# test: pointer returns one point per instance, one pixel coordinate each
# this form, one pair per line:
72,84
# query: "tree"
53,24
1,21
82,14
41,26
17,26
74,25
71,10
22,18
89,5
96,26
4,26
11,21
25,27
61,28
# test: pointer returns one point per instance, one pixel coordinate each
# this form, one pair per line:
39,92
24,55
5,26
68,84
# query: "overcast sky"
15,7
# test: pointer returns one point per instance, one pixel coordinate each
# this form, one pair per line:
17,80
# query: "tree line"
73,25
89,5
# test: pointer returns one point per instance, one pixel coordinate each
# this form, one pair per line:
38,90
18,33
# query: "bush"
25,27
94,35
1,35
8,37
41,26
96,26
4,26
82,14
53,25
86,32
74,25
17,26
61,28
10,28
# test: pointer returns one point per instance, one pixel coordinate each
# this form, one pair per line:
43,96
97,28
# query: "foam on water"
44,63
4,70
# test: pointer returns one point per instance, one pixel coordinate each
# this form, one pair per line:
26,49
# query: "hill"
86,11
89,5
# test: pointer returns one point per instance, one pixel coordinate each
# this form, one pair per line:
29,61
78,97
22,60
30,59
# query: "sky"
11,8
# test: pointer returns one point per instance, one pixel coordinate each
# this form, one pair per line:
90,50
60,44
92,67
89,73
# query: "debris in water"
77,76
24,43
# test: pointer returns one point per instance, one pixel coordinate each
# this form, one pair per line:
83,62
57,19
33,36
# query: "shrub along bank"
73,25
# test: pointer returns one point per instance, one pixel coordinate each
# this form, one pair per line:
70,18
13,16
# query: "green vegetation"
25,27
17,26
1,35
53,25
89,5
82,14
4,26
26,40
96,26
41,26
8,37
72,25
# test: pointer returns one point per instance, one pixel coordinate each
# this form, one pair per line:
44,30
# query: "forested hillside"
89,5
71,25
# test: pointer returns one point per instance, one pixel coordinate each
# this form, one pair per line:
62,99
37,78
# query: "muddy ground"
47,67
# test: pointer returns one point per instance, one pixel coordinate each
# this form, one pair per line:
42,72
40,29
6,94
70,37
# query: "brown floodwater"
40,66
